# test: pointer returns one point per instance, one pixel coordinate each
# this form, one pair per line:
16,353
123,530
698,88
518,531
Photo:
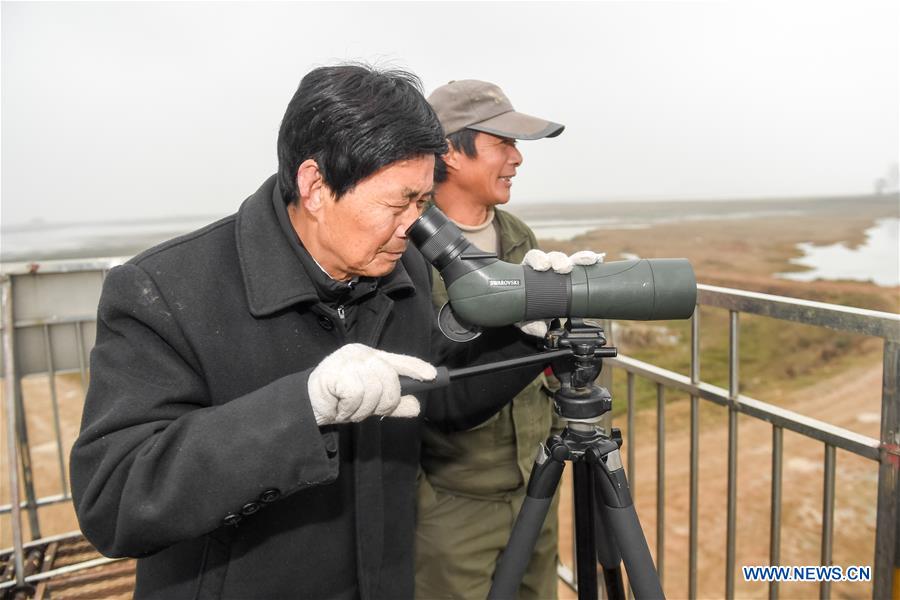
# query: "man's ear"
310,185
452,157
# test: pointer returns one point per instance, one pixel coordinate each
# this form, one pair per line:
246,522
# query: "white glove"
542,261
355,382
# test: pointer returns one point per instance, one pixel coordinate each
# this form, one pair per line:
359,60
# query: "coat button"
250,508
331,443
326,323
269,495
231,520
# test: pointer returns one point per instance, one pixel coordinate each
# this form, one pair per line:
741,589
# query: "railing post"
695,456
660,480
733,391
632,467
887,555
24,453
12,450
827,517
631,452
775,523
82,363
54,400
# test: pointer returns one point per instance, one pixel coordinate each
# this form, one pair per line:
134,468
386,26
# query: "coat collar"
274,277
512,234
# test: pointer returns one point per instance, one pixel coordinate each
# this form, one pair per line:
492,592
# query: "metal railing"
884,451
47,308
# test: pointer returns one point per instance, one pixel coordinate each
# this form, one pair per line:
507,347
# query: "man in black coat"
244,433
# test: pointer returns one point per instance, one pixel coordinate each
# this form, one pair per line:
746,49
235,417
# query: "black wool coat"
199,452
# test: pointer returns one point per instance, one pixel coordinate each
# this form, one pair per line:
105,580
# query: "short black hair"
353,120
462,141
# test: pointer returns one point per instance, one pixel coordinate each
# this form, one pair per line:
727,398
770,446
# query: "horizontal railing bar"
844,439
45,501
839,318
54,320
69,265
46,540
57,372
74,568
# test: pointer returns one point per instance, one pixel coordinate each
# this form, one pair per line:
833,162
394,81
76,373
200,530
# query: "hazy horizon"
513,206
131,111
529,208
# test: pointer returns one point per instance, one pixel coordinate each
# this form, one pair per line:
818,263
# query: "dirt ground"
747,261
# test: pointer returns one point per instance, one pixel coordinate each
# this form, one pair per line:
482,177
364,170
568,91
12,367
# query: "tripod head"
578,399
575,352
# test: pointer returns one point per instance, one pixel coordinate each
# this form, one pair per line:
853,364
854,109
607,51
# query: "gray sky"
132,110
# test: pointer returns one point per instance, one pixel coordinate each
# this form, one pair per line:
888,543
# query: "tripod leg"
514,561
608,552
626,528
585,549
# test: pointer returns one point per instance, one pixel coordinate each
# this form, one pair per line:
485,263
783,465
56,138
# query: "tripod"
576,353
606,524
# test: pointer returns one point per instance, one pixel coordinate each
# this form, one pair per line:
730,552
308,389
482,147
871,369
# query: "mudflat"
729,246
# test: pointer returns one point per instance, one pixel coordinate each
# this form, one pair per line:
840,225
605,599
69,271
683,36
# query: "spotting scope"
485,291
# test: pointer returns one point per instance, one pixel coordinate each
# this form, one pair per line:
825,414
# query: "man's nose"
515,157
407,218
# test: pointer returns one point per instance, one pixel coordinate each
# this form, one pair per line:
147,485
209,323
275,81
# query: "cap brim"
518,126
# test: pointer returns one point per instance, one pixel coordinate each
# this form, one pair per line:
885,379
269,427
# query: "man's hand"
560,263
356,381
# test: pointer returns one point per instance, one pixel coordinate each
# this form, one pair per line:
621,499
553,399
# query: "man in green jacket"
473,482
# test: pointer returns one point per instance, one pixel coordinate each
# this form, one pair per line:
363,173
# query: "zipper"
340,312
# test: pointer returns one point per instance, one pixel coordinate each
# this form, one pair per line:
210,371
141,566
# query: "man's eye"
420,203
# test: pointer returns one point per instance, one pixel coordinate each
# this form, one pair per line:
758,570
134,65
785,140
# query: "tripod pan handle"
408,385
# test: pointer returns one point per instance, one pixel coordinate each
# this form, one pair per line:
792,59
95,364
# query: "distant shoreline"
530,208
629,209
49,241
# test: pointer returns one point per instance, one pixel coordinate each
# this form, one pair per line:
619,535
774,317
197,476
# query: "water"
876,260
41,241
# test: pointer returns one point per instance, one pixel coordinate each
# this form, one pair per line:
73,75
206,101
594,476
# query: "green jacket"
494,459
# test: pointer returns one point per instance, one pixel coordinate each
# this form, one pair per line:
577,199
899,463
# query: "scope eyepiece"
437,237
